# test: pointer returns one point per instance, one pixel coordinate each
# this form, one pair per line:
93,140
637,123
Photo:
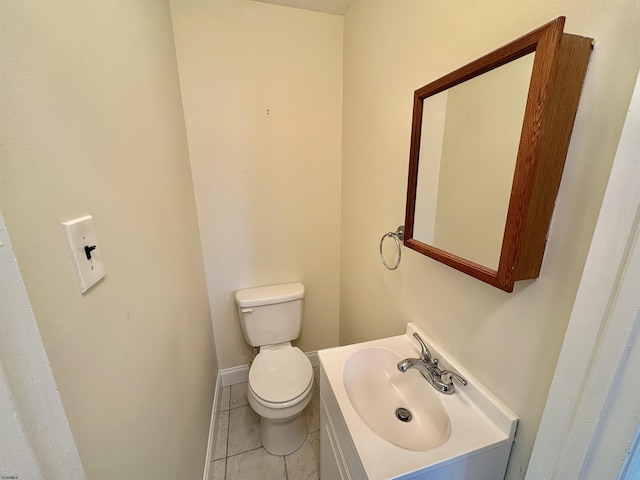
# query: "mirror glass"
469,145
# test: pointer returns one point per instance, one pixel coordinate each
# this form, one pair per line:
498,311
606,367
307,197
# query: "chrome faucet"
441,380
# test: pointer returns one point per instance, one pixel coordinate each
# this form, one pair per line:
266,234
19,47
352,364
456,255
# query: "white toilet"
281,377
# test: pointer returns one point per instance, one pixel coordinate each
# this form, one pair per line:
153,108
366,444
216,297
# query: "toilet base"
283,436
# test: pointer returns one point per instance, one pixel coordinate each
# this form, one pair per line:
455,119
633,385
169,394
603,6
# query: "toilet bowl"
280,386
280,382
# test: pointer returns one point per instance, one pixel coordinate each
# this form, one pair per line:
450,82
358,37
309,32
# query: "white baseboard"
234,375
227,377
213,428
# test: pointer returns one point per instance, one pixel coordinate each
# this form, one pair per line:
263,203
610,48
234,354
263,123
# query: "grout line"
247,451
226,455
286,472
225,468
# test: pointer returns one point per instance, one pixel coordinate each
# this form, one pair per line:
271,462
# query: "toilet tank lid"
270,294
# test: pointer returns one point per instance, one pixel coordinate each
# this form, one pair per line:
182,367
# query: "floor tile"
218,469
226,392
221,436
244,430
312,412
238,395
304,463
256,464
238,451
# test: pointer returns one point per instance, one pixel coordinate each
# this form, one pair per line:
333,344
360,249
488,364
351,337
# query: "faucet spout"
407,363
441,380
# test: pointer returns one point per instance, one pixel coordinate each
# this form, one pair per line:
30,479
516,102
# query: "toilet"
281,377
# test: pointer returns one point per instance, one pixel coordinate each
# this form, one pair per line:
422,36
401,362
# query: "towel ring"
398,236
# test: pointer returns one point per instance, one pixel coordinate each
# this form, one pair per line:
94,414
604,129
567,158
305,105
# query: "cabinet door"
329,469
332,465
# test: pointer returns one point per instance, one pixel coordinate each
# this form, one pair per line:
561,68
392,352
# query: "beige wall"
92,123
262,93
510,342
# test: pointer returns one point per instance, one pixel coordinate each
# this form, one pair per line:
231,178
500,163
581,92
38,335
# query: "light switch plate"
84,251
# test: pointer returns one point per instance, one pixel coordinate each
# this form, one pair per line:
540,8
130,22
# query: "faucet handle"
426,354
448,376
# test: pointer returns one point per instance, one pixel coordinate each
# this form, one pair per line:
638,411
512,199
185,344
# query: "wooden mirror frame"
559,67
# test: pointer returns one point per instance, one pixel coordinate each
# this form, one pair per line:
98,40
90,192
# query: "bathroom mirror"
488,145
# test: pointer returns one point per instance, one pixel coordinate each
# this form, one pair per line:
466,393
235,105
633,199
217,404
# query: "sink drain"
403,414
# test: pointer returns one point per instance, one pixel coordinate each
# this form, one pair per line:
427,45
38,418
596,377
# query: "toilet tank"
270,314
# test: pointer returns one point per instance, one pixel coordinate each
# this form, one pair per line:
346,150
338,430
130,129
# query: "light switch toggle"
88,250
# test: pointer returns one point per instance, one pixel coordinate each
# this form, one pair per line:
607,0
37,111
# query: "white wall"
35,437
92,123
262,93
591,416
509,341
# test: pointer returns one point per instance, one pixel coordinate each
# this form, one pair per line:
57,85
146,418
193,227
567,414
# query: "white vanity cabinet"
479,429
338,456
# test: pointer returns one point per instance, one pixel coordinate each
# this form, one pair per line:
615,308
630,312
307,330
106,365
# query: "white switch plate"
79,233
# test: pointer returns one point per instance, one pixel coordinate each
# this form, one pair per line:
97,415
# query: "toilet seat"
280,374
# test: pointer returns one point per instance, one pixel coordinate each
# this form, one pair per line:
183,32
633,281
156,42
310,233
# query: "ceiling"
337,7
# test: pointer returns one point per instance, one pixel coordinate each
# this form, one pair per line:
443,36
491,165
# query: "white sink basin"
463,436
376,389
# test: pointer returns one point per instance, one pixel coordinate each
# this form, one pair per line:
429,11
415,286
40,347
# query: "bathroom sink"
400,407
466,435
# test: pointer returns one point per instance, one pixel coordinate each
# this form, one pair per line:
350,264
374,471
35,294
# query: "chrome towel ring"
398,236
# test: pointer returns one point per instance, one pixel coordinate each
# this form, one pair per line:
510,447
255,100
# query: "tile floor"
239,454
